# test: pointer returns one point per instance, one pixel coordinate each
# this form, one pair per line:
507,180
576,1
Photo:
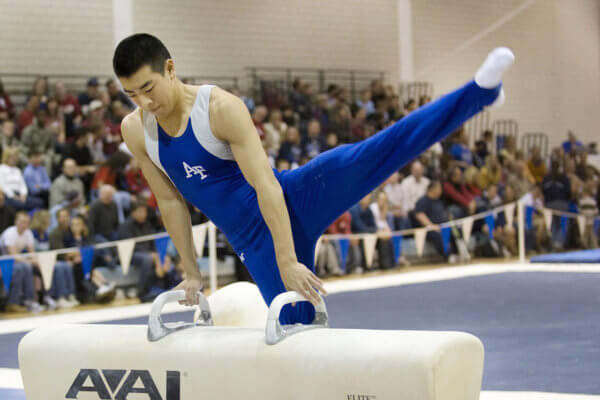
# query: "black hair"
138,50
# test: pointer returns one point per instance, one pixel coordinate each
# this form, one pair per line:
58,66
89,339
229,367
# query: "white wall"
555,82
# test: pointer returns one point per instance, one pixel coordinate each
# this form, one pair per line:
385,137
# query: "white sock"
489,75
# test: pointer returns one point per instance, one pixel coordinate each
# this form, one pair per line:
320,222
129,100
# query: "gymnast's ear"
170,68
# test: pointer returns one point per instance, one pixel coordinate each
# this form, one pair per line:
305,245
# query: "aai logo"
118,391
196,170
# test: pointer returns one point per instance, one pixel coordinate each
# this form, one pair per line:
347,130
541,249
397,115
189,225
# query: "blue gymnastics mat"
582,256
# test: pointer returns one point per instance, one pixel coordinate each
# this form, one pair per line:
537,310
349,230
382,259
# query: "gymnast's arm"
172,206
230,121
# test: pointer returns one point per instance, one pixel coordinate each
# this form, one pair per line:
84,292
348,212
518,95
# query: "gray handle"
157,329
275,332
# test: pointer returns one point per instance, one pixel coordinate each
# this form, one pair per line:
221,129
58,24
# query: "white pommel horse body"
216,362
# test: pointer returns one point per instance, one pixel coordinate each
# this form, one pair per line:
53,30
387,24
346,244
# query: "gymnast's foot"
489,75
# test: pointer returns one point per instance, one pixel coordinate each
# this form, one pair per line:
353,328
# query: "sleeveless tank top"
203,169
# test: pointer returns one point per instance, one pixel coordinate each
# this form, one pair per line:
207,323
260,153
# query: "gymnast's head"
147,73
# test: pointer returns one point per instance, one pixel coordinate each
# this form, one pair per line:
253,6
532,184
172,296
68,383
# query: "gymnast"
199,143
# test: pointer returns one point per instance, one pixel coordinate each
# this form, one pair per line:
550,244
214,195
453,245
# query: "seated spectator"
27,115
461,202
536,165
145,256
340,122
103,216
342,226
430,211
56,122
572,145
9,137
365,102
258,117
13,184
15,240
274,132
112,173
40,89
36,138
393,190
327,262
509,152
79,151
384,220
589,209
460,152
491,173
115,93
413,187
7,213
72,204
331,141
91,93
557,189
483,148
39,227
313,145
494,246
7,109
290,148
359,121
471,179
363,220
518,179
66,183
36,178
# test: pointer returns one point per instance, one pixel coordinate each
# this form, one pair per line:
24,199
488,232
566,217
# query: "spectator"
8,139
112,89
69,107
313,145
274,132
91,93
145,256
536,165
483,148
136,183
572,145
393,190
365,102
430,212
327,262
517,180
461,202
15,240
28,114
491,173
414,187
576,182
55,122
36,178
331,141
340,122
321,111
39,227
343,226
36,138
7,213
282,164
103,216
290,148
589,209
13,184
471,179
40,89
509,152
7,109
258,117
66,183
384,220
460,152
557,189
359,128
363,220
112,173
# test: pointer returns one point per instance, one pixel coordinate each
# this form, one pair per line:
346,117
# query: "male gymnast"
199,143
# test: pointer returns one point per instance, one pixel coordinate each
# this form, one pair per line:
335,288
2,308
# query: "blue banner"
344,246
564,223
87,257
529,217
397,243
6,266
445,232
491,224
161,247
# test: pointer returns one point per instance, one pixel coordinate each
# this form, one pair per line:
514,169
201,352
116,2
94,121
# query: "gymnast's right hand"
191,286
297,277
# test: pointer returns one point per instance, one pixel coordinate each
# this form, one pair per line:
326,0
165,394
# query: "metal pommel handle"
157,329
275,332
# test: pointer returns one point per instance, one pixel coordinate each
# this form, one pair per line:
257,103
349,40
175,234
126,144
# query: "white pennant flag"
46,260
369,242
199,236
467,227
317,247
125,250
509,213
547,218
581,224
420,235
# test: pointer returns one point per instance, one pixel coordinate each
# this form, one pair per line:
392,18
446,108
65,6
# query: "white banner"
370,242
467,226
125,251
581,223
317,247
547,218
420,235
199,236
509,213
46,260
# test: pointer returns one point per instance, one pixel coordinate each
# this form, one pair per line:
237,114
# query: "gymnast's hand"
299,278
191,286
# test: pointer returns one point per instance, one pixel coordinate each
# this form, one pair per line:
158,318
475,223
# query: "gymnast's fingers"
316,282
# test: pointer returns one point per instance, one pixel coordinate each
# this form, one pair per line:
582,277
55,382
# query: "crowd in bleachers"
67,180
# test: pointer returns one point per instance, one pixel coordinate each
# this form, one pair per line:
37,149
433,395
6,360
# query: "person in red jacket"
461,202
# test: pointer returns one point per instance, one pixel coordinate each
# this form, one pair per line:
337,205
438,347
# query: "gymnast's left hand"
297,277
191,286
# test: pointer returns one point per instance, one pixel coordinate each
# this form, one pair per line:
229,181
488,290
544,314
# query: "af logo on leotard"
197,170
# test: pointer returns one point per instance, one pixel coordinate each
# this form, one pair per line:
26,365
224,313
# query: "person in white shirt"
414,186
13,183
383,219
15,240
274,132
395,195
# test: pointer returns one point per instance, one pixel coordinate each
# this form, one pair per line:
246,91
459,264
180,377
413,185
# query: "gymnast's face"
150,90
